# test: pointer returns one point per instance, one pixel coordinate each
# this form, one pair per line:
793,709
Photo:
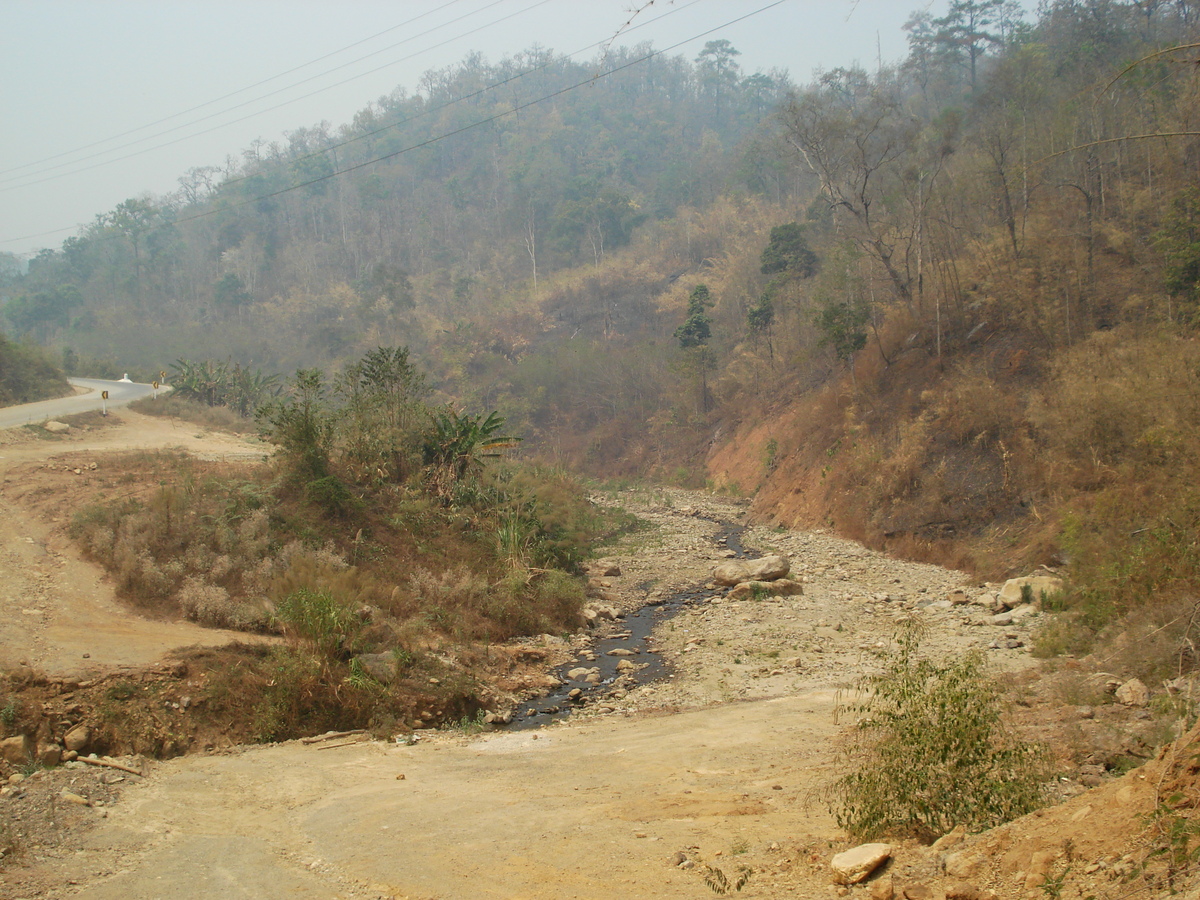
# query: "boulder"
605,568
769,568
57,427
380,666
783,587
49,755
77,738
855,865
17,750
1040,585
1133,693
731,573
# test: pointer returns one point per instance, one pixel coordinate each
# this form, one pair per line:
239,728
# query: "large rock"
1133,693
17,750
1011,594
768,568
731,573
853,866
57,427
49,755
380,666
783,587
77,738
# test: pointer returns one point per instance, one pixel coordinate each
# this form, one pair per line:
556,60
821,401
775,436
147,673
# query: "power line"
432,110
243,90
484,121
431,141
88,168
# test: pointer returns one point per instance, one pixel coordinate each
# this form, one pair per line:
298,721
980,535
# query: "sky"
105,100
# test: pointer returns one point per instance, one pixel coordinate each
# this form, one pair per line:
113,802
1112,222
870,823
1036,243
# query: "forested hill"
428,210
947,306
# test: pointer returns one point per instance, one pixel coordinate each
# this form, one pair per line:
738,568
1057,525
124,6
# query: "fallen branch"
110,764
357,740
331,736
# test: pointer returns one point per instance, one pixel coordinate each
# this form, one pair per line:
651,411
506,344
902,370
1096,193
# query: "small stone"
883,888
962,891
961,865
71,797
949,839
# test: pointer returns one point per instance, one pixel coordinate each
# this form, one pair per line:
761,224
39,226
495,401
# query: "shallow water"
631,632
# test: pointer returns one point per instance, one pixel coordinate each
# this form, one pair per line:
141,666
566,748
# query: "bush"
930,750
320,619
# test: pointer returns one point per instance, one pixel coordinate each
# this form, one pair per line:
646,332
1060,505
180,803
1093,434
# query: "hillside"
947,307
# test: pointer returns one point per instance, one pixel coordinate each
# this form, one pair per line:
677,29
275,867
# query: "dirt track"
722,763
58,613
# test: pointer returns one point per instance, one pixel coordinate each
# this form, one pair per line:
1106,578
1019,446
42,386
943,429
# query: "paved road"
119,394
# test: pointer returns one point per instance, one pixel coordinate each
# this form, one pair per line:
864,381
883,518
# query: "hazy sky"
103,100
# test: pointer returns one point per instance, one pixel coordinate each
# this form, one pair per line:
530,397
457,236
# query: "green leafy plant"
320,619
1174,839
930,750
8,713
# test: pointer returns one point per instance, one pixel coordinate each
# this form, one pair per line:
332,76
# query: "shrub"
320,619
930,750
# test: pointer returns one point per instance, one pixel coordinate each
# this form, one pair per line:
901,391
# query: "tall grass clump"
930,750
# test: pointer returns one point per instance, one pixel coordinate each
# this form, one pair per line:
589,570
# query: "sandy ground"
720,765
58,613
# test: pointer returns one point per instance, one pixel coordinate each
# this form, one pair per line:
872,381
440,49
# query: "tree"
718,69
302,427
964,30
388,283
42,312
230,292
787,253
842,327
383,392
696,329
759,319
693,336
133,218
1179,241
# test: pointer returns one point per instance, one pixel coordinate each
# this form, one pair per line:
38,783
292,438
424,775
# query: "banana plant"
456,445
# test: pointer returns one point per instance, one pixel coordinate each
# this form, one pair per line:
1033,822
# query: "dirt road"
58,613
720,765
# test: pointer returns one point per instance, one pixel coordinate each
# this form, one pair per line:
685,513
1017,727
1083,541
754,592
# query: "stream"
629,638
